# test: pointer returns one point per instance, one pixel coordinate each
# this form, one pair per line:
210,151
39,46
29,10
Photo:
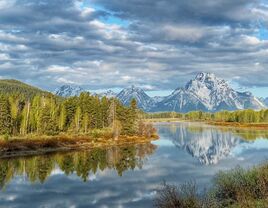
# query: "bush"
238,188
241,185
6,137
146,129
184,196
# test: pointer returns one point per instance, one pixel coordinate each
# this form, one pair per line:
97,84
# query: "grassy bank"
263,126
238,188
33,145
155,120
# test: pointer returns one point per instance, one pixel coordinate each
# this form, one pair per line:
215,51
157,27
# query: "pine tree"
62,118
5,116
77,119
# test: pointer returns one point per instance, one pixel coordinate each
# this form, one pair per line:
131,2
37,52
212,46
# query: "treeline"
10,86
240,116
49,115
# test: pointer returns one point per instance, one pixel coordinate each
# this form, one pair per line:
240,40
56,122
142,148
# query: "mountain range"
205,92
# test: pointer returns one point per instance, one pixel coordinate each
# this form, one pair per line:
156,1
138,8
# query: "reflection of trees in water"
39,168
251,134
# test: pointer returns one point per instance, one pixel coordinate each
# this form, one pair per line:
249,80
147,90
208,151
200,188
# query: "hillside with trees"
26,110
10,86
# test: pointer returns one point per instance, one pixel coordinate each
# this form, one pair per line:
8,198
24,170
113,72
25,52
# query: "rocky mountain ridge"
205,92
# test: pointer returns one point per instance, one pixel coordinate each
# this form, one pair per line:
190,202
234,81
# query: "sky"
158,45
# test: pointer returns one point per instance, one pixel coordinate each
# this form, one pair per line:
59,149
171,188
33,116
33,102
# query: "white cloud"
63,80
4,4
56,68
251,40
4,57
126,78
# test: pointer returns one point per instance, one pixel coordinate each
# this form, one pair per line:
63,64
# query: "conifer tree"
5,116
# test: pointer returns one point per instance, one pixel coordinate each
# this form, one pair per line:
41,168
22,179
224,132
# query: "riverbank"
37,145
238,188
261,126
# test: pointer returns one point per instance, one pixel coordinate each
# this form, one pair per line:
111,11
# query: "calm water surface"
128,176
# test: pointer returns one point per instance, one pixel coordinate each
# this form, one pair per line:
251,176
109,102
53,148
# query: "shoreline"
29,147
257,126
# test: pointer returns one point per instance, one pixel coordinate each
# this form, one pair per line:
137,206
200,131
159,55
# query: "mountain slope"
206,92
143,100
266,101
8,86
108,94
68,91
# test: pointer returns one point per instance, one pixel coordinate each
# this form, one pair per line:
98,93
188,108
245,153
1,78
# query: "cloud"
164,43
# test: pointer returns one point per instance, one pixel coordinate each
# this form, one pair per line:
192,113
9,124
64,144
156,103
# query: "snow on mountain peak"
108,94
68,90
206,92
144,101
202,76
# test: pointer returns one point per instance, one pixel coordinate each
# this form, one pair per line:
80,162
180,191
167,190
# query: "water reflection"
175,160
209,144
39,168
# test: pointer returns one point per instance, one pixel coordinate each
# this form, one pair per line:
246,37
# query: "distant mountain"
158,99
143,100
108,94
206,92
266,101
68,91
8,86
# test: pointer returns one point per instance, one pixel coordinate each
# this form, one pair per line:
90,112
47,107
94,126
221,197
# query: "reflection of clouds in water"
163,142
257,145
135,188
144,196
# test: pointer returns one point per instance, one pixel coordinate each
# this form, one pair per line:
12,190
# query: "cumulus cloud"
164,44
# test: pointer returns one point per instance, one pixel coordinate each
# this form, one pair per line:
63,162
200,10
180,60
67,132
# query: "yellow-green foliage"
28,110
240,116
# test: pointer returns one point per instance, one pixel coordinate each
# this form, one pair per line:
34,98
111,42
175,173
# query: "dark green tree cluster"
50,115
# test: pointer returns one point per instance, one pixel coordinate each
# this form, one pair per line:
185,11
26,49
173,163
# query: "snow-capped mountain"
143,100
206,92
108,94
68,91
158,99
265,100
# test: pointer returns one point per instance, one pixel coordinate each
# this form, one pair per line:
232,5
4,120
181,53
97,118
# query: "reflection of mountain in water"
209,145
83,164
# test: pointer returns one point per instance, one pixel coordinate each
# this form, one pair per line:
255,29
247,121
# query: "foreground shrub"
238,188
241,186
184,196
